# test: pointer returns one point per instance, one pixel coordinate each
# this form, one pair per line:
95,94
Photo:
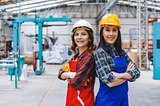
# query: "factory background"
45,55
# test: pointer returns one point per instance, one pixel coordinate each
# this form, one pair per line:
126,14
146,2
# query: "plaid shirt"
105,65
85,75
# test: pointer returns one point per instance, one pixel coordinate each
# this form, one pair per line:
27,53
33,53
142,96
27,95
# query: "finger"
129,63
133,67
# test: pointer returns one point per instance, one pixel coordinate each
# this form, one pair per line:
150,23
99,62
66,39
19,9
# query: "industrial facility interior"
35,37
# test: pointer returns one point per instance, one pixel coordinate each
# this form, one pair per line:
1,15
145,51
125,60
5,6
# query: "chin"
111,43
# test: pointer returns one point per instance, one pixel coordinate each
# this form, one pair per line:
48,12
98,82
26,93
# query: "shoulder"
90,54
124,52
87,55
100,51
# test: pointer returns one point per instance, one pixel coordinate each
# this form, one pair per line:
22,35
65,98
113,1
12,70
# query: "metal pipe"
7,65
6,60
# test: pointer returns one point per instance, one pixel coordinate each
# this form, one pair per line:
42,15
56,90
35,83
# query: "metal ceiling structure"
75,7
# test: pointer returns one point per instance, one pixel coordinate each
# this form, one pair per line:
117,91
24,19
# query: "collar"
112,48
82,55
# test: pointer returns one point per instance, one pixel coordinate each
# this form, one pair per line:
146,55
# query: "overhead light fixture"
47,6
75,4
151,7
157,8
120,1
133,4
158,4
126,2
22,3
34,5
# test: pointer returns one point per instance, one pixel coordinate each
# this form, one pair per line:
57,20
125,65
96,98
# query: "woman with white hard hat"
80,72
113,66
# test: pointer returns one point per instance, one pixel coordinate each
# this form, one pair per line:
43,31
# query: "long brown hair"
91,44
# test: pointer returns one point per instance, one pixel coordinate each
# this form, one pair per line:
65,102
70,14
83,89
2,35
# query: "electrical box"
156,50
133,34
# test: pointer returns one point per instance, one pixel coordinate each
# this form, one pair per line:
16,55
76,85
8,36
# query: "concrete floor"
48,90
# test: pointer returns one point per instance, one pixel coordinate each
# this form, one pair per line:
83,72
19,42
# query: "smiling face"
110,34
81,38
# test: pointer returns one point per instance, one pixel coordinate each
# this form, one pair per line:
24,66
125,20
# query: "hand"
130,66
117,75
66,67
71,74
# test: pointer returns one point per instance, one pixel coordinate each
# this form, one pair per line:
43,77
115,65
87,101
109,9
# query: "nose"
79,36
111,32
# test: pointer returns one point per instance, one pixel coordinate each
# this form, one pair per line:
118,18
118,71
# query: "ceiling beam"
106,8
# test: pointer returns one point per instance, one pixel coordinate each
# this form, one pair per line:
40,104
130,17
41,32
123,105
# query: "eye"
83,34
107,29
76,34
114,29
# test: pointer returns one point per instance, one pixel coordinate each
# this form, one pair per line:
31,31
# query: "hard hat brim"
101,25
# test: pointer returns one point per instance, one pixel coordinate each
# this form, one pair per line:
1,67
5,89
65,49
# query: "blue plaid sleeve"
135,73
102,67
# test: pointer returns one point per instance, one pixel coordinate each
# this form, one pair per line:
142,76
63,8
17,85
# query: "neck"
81,50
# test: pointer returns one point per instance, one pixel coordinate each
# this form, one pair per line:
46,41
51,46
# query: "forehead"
110,26
80,30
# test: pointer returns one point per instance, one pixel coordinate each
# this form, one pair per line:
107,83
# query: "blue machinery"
156,50
18,61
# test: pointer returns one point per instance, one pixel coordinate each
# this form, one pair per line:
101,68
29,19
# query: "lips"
80,41
111,38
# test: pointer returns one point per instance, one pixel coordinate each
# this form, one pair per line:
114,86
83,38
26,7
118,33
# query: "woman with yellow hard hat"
113,66
80,72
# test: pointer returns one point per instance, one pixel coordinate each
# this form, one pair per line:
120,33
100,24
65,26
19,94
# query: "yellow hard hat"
109,19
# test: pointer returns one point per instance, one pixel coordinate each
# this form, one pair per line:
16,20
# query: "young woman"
113,66
81,72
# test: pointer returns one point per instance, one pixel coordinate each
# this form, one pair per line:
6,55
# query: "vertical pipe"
15,77
15,35
15,73
40,44
19,42
10,77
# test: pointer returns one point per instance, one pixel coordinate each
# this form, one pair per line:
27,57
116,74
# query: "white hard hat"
82,24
